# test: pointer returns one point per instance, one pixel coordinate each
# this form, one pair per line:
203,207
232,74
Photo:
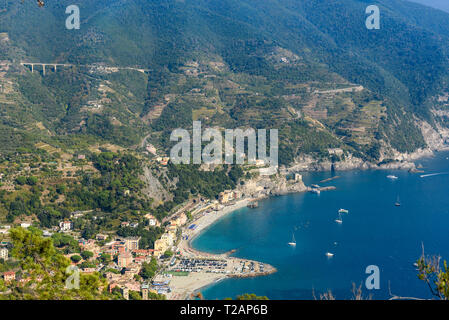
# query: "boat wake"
433,174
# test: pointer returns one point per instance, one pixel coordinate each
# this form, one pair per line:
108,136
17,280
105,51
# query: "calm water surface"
374,232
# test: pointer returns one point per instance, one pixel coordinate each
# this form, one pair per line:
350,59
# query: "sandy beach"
205,220
182,287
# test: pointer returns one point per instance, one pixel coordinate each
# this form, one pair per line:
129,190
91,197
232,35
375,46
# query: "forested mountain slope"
285,64
438,4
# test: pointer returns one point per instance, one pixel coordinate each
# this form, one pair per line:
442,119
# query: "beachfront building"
229,195
168,238
172,229
179,220
160,246
182,219
163,244
237,194
225,196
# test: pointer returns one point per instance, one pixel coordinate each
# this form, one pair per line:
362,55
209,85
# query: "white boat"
392,177
293,242
343,211
398,202
339,220
330,255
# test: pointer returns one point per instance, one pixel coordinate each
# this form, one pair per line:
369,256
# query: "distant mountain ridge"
437,4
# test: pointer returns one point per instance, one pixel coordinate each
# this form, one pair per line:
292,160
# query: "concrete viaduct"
54,66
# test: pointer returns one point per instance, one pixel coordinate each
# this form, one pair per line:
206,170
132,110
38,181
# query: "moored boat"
398,202
293,242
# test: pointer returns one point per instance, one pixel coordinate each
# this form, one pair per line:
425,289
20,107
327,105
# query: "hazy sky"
439,4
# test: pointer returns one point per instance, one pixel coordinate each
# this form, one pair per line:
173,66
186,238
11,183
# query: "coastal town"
181,270
167,267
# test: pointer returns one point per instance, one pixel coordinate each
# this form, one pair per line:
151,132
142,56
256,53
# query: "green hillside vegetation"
283,65
73,139
227,63
45,268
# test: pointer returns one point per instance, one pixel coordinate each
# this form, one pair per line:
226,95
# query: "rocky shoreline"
400,162
437,140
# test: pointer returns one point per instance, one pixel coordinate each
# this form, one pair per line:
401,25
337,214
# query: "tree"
134,295
251,296
21,180
87,255
45,268
156,296
435,273
31,180
62,240
105,258
149,269
75,258
168,253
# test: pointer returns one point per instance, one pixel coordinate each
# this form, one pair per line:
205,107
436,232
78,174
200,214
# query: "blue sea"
374,232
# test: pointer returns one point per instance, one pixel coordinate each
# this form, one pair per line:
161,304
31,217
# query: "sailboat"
339,220
329,254
398,203
293,242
